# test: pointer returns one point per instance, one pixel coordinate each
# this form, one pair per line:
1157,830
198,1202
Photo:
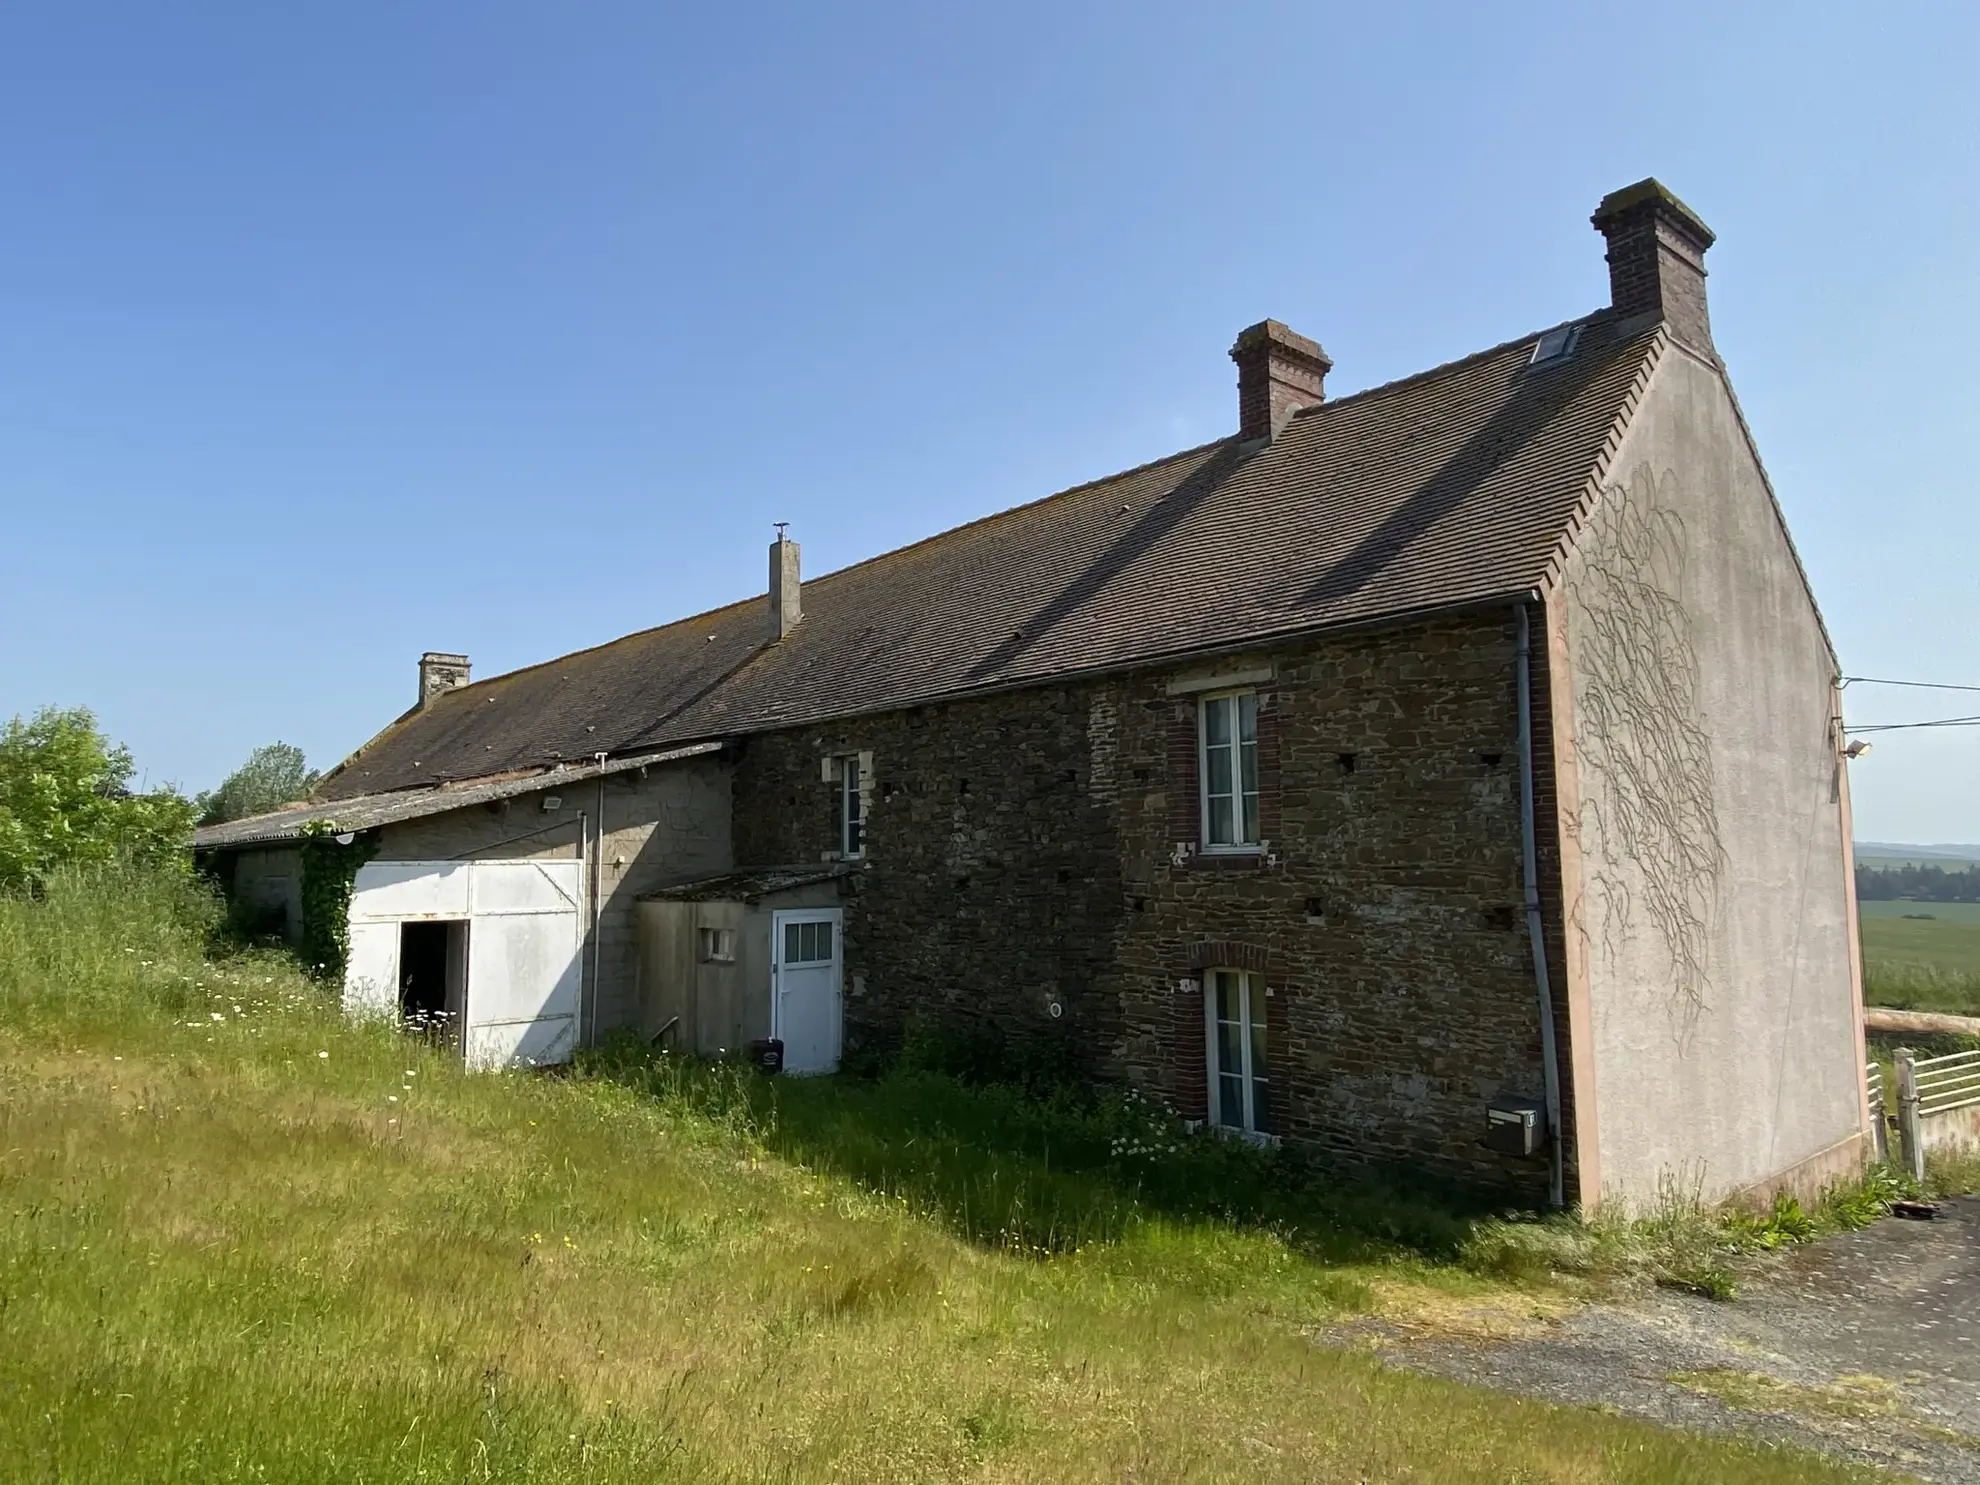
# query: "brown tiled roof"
1455,486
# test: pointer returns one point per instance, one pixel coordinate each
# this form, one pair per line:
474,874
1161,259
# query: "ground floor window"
1234,1013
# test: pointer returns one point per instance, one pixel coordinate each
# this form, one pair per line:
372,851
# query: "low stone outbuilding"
1448,773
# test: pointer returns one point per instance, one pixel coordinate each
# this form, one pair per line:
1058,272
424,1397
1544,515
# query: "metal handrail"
1927,1110
1948,1083
1932,1064
1950,1078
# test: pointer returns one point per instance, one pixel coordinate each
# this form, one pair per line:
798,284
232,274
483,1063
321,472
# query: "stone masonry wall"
992,889
1037,849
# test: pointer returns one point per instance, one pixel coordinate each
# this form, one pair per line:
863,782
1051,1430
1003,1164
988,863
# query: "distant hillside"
1890,851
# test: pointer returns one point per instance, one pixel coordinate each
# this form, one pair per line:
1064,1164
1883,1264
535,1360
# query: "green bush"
65,800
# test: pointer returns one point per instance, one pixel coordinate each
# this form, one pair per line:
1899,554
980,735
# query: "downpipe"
589,1031
1535,930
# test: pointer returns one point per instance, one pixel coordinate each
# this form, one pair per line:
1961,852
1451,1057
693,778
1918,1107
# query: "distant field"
1922,956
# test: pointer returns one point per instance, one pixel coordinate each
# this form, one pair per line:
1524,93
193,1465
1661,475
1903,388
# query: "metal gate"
1938,1104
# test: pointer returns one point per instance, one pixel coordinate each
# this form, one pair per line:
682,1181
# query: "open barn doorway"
433,979
492,946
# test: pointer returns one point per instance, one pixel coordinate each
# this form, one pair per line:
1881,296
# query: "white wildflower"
323,1054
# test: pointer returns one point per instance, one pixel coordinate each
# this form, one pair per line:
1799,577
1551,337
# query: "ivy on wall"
329,869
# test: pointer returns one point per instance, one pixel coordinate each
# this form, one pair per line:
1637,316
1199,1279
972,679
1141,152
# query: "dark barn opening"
433,978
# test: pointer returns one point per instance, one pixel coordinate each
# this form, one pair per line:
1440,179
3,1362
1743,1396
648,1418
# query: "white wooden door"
383,895
371,971
525,929
805,959
524,936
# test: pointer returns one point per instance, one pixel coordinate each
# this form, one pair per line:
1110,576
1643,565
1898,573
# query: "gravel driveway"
1865,1345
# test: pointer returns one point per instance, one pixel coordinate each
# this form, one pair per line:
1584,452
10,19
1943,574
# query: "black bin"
767,1054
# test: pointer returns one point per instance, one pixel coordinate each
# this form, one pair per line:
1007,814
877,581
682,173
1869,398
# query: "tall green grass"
243,1240
1922,987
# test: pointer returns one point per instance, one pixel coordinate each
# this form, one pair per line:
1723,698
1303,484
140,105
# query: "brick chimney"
786,591
438,673
1657,259
1278,370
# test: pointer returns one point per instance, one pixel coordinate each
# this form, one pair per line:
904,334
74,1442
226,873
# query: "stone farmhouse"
1447,774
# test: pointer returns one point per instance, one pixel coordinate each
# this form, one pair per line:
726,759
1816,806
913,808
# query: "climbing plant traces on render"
329,870
1637,704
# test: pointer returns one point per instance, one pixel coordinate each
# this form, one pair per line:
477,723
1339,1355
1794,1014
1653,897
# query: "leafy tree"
273,776
1918,882
65,798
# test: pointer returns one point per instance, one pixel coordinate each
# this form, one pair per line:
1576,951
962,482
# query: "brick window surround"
1185,788
1229,954
1188,1056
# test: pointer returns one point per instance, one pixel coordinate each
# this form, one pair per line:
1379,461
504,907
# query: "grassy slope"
227,1254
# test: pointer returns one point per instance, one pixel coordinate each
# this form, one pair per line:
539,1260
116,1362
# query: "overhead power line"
1901,726
1870,680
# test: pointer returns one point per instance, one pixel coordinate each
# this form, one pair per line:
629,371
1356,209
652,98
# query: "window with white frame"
1234,1019
852,794
1227,756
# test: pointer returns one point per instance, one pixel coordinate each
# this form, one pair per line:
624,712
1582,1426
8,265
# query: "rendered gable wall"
1710,932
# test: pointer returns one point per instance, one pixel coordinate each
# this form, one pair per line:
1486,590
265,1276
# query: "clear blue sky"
334,332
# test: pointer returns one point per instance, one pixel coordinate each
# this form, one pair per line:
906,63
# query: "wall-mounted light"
1856,749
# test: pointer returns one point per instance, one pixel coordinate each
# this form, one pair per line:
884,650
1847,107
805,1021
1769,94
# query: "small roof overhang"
367,811
749,886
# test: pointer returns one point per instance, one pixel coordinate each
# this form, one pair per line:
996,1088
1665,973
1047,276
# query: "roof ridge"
1012,510
838,571
1429,525
1447,366
742,603
446,697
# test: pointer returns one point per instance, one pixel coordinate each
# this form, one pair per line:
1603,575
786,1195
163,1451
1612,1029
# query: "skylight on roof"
1555,344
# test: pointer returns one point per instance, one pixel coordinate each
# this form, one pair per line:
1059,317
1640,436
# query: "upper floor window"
852,800
1227,756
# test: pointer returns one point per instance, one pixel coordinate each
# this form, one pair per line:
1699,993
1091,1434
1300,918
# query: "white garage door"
524,933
